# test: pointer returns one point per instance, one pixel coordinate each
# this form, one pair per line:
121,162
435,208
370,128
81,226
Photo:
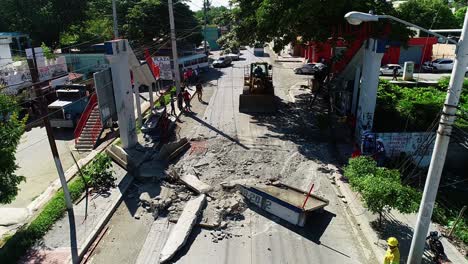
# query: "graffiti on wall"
417,144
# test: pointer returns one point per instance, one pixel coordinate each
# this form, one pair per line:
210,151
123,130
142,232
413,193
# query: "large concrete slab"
194,183
182,229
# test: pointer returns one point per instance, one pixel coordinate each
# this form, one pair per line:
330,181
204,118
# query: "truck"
71,102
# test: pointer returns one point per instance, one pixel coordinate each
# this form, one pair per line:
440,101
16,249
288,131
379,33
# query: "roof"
59,103
191,57
13,34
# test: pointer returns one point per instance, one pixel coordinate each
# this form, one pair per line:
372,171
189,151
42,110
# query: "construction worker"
392,256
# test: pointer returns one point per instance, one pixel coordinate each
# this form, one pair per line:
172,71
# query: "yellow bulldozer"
258,95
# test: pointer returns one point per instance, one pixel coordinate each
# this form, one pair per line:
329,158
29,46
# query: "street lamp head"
356,18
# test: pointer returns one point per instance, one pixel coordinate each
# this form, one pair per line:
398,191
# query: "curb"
102,223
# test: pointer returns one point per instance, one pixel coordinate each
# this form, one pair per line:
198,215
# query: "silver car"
388,69
308,68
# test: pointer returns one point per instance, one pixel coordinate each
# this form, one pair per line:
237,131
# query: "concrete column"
373,54
117,54
136,90
357,82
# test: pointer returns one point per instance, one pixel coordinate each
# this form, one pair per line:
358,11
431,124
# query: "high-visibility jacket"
392,257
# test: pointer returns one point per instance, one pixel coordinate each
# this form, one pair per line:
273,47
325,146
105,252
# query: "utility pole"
114,15
440,148
174,46
53,147
205,6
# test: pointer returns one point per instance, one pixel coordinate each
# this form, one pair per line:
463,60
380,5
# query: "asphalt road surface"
330,237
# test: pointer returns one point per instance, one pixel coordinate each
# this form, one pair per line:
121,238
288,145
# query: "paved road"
332,237
35,162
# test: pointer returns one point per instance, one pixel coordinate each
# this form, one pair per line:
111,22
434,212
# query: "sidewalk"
396,224
55,245
284,57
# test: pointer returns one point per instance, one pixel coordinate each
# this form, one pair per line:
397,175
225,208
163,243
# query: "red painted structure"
315,51
392,55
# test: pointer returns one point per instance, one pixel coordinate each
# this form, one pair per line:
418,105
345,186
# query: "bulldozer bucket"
257,103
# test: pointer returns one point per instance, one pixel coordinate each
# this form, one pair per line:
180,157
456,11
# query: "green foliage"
229,42
282,21
43,20
427,13
99,174
149,19
460,16
380,188
11,129
216,15
447,217
413,109
48,53
96,29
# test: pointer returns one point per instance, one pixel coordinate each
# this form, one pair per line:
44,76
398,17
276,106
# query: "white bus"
196,61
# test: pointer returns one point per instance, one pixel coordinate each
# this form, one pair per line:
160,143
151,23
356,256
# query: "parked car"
222,61
233,56
308,68
442,65
388,69
427,66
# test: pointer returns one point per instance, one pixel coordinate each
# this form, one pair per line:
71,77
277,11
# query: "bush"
99,175
380,188
410,109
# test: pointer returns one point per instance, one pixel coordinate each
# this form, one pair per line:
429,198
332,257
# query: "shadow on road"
194,117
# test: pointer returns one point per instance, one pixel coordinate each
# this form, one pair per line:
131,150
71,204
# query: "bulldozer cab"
257,70
258,93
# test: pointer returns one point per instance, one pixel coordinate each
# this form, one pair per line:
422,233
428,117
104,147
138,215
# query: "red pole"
308,195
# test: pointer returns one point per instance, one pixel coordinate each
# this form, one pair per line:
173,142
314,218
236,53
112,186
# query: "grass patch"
166,96
17,245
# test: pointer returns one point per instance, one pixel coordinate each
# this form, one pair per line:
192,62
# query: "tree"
282,21
149,19
11,129
460,16
380,188
44,20
430,14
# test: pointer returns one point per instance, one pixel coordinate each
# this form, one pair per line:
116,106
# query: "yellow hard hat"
392,241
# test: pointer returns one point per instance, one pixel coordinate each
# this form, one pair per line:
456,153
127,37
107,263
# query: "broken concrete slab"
182,229
13,216
194,183
121,157
172,149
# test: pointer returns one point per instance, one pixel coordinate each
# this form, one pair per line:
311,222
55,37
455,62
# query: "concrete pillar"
408,71
357,82
117,54
373,54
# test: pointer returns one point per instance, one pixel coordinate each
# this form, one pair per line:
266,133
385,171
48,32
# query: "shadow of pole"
219,131
73,241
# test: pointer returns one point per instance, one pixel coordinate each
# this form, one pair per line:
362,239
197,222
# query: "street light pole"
440,148
174,46
114,15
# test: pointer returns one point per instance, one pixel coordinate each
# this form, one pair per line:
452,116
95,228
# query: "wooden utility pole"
460,215
32,63
174,46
